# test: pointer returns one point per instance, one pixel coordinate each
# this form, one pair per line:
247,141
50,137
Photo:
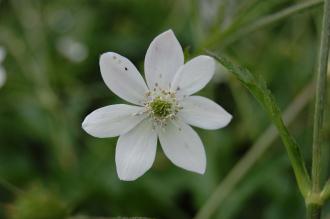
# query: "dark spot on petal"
126,68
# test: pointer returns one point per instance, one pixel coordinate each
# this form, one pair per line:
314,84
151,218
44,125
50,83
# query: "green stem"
320,98
295,156
253,155
314,209
257,86
325,194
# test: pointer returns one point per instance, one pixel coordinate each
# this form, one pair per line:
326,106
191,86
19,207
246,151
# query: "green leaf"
258,88
325,194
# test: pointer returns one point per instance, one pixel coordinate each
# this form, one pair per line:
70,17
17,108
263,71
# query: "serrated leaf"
258,88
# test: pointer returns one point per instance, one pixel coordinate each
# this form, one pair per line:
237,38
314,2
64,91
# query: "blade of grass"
320,98
325,194
257,86
270,19
251,157
314,205
238,32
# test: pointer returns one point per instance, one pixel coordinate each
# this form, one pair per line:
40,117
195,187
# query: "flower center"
161,106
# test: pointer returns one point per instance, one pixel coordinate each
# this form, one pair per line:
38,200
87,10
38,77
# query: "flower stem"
258,88
320,98
313,209
325,194
228,184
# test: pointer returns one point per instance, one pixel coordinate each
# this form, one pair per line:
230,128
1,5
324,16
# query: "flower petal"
203,113
183,147
163,59
122,78
194,75
113,120
136,151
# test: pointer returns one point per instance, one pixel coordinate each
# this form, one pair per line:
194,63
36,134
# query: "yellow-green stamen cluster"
161,106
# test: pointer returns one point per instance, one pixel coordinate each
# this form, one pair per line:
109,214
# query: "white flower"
2,69
163,109
72,49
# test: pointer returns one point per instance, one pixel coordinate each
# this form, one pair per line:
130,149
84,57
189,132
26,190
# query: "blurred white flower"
208,10
71,49
3,76
163,108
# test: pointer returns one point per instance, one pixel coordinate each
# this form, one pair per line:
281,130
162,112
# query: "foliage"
37,203
53,82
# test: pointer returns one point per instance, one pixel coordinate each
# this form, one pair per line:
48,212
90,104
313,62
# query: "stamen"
161,105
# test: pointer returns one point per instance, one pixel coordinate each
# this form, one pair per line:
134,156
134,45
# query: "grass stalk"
227,185
240,32
314,209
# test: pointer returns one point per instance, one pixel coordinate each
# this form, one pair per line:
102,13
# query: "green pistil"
161,108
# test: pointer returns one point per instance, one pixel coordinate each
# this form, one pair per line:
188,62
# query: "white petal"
183,147
122,77
113,120
3,76
204,113
163,59
194,75
136,151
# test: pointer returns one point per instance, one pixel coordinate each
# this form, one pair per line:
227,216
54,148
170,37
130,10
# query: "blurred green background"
51,169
